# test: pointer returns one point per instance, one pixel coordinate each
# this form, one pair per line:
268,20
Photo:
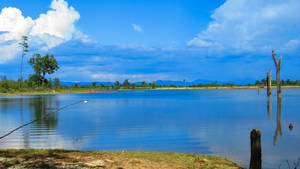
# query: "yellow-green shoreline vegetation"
35,85
41,158
90,89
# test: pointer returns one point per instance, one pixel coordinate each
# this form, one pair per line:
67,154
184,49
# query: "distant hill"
86,83
158,82
182,83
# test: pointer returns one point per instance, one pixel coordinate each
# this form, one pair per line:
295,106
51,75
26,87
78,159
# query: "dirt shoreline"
41,158
83,91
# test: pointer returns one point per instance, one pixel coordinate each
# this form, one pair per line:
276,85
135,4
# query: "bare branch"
274,58
280,61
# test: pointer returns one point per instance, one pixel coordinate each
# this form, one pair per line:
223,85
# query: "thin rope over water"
9,133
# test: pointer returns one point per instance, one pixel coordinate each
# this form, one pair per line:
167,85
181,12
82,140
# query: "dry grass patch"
109,159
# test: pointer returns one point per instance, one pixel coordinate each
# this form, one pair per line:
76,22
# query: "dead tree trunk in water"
269,82
255,160
277,64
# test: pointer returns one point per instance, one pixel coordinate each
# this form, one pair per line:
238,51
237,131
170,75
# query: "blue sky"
109,40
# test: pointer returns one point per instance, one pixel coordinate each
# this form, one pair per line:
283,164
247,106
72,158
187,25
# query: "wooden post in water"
255,160
269,82
277,64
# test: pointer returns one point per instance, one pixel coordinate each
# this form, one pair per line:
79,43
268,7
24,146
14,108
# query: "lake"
215,122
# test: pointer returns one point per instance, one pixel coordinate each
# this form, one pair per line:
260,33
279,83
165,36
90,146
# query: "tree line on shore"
287,82
38,82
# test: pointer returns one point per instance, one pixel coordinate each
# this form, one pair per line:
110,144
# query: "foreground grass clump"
40,158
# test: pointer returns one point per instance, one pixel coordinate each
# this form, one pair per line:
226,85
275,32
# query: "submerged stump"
255,160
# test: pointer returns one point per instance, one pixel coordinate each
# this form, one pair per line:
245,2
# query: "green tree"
144,84
50,84
24,46
117,84
4,82
94,84
34,80
43,65
56,82
133,85
263,81
153,85
126,83
289,82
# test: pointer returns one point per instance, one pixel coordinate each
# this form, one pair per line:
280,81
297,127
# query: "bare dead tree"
277,64
24,45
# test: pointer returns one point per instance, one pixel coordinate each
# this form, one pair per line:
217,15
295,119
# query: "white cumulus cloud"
56,23
13,23
8,51
137,28
51,29
252,25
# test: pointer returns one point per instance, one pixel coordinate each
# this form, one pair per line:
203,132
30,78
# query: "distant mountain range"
86,83
158,82
182,83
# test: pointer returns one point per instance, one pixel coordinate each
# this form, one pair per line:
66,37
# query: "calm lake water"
216,122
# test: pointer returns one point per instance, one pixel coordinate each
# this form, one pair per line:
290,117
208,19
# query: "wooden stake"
255,160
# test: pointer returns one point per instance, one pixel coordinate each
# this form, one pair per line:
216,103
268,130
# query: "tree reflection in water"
278,128
269,107
39,107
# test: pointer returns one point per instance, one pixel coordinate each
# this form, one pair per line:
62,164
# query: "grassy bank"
47,91
51,91
108,159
